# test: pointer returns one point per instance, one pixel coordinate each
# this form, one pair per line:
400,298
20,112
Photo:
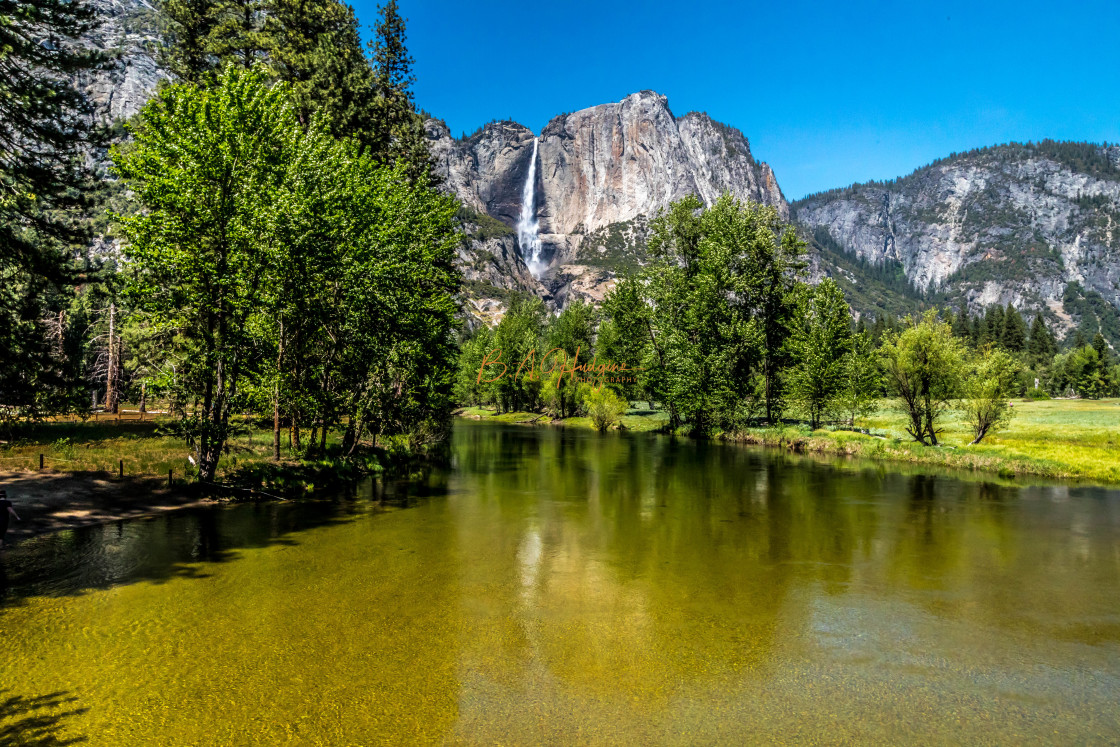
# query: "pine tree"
315,47
1014,337
398,136
993,326
47,123
45,127
962,325
1041,344
238,35
1101,346
188,27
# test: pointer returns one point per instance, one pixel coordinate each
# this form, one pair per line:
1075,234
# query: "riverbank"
1061,439
52,501
67,474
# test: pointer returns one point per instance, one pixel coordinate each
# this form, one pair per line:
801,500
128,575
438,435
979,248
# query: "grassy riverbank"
1069,439
65,473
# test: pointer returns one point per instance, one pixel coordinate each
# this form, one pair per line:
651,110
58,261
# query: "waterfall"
528,231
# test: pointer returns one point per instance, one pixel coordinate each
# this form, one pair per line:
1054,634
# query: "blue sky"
828,94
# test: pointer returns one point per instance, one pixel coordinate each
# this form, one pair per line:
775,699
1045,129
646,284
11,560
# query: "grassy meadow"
100,445
1069,439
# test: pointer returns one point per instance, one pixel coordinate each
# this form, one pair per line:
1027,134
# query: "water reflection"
565,586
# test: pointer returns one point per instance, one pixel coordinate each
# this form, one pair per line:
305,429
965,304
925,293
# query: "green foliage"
725,284
820,343
1041,345
206,164
44,187
625,338
924,367
986,392
1014,336
603,406
287,269
1083,372
315,47
861,380
514,360
481,226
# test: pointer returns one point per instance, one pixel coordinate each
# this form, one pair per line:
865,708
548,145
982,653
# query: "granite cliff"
1037,225
602,172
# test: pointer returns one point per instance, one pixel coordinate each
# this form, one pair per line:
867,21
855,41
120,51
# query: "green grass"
100,445
635,419
1067,439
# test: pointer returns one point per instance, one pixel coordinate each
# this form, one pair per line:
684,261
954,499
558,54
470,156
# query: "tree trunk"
276,399
111,384
674,419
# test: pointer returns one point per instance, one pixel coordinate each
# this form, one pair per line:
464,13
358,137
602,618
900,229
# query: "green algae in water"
569,587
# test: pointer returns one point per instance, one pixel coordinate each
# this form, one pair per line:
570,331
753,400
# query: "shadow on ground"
36,720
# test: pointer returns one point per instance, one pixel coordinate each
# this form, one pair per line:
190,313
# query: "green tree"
514,362
992,332
626,337
819,344
398,135
1041,345
204,164
861,379
469,389
44,187
1014,336
962,325
189,26
986,392
725,283
924,366
315,46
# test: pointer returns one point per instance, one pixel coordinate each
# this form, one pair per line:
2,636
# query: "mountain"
130,30
1035,224
599,175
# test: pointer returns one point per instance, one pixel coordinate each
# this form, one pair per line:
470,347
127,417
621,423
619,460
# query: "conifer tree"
962,325
1041,344
46,124
1014,338
188,27
993,326
398,136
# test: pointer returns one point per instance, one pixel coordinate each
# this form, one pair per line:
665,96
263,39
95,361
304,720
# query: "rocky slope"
1036,225
130,32
601,173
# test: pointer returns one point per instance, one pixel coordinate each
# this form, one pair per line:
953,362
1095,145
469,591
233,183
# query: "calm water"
560,586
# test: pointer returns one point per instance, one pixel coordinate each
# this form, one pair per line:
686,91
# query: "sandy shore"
49,501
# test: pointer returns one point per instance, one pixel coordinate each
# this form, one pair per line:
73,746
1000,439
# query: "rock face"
129,30
1036,225
601,172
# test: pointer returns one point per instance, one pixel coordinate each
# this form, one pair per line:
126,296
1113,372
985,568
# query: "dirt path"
49,501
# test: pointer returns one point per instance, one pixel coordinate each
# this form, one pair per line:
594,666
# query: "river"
561,586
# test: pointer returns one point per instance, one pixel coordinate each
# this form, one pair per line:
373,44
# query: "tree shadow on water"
175,545
37,720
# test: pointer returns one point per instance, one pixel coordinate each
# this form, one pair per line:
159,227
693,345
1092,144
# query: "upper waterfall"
528,230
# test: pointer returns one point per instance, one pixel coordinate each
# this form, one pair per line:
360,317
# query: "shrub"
604,407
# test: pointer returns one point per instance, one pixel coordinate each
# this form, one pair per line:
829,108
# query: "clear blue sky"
828,94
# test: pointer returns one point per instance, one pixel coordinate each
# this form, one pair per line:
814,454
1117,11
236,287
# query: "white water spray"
528,230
